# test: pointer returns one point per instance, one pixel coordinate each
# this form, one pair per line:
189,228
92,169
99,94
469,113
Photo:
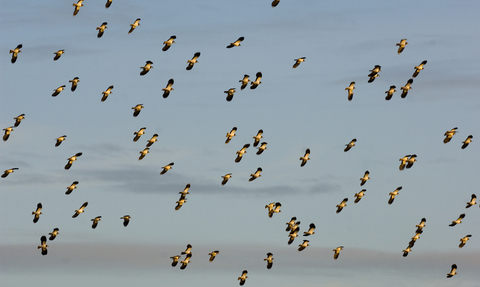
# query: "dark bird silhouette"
401,45
167,168
101,29
257,138
134,25
15,52
244,81
262,148
298,62
359,195
350,89
95,221
107,5
350,145
269,260
244,276
411,160
342,205
458,221
58,54
77,7
226,178
230,93
472,201
305,157
254,84
365,177
175,260
43,245
71,160
58,90
453,271
464,240
169,43
241,152
126,220
213,254
185,261
74,82
192,61
303,245
60,140
230,135
275,3
419,68
6,135
255,175
137,109
139,134
406,88
80,210
152,140
71,187
390,93
236,43
53,234
107,93
310,231
8,171
449,134
146,68
18,120
467,141
168,89
337,252
37,213
393,194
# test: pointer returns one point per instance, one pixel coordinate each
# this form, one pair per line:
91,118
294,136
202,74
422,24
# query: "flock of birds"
293,226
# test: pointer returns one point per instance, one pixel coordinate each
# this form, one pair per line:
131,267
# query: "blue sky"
300,108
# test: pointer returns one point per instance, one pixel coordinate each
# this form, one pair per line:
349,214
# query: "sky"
299,108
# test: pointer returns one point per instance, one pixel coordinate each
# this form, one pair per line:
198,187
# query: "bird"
257,138
180,202
393,194
458,221
419,68
95,221
58,54
107,5
305,157
374,73
411,160
8,171
244,276
58,90
146,68
236,43
241,152
101,29
80,210
244,81
230,135
107,93
453,271
37,212
72,159
372,78
226,178
262,148
43,245
365,177
359,195
188,250
18,120
407,250
134,25
126,220
185,191
350,145
151,141
421,225
212,255
464,240
406,88
71,187
254,84
175,260
276,209
294,226
269,260
169,43
74,83
310,231
53,234
342,205
256,174
15,52
467,141
298,62
404,161
472,201
275,3
168,89
6,135
390,93
401,45
449,134
167,168
350,89
143,153
230,93
303,245
192,61
415,238
77,7
185,261
139,134
289,224
337,252
137,109
60,140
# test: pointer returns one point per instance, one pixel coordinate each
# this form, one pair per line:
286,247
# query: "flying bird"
18,120
146,68
53,234
374,73
226,178
175,260
401,45
71,160
126,220
152,140
95,221
303,245
254,84
421,225
134,25
244,276
168,89
169,43
43,245
472,201
467,141
359,195
350,145
139,134
310,231
275,3
188,250
60,140
342,205
393,194
230,135
230,93
74,83
6,135
77,7
143,153
404,161
8,171
275,209
406,88
419,68
365,177
390,93
71,187
137,109
15,52
212,255
58,54
305,157
244,81
453,271
241,152
80,210
185,191
298,62
58,90
464,240
407,250
37,213
350,90
257,138
101,29
289,224
269,260
458,221
107,5
415,238
107,93
411,160
167,168
180,202
256,174
449,134
236,43
262,148
185,261
193,61
292,235
337,252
